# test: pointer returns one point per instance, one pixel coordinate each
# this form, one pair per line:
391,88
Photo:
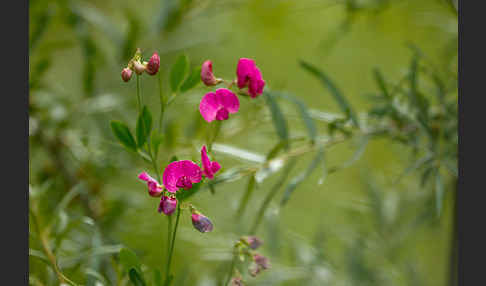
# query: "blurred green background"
359,227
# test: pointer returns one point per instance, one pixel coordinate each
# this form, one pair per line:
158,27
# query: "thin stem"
173,242
169,234
139,96
162,104
232,266
216,129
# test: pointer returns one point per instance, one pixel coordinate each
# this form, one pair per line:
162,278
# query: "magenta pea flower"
167,205
209,168
153,65
249,75
181,174
207,76
201,222
218,105
154,188
254,242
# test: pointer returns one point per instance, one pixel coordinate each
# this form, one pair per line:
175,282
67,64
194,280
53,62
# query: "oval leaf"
144,126
192,80
178,72
123,134
279,120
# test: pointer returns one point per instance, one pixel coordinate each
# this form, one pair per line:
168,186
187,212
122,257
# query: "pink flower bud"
254,242
236,281
167,205
207,76
261,263
201,222
138,67
153,64
126,74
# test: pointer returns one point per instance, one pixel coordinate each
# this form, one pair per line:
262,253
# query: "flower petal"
208,107
228,100
178,169
244,70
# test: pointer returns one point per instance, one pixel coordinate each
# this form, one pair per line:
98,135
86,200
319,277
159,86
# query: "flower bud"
126,74
254,242
201,223
236,281
261,263
153,65
167,205
138,67
207,76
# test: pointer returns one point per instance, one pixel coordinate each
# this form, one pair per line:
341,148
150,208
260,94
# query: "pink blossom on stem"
209,168
181,174
153,65
207,76
154,188
167,205
218,105
249,75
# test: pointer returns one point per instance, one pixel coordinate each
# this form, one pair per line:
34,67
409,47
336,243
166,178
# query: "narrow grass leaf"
278,118
380,81
335,92
304,113
301,177
129,260
136,278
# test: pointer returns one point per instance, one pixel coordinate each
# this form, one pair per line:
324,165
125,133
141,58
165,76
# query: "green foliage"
279,120
123,134
192,80
178,72
144,126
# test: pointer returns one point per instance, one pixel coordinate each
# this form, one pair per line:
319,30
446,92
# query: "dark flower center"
184,182
222,114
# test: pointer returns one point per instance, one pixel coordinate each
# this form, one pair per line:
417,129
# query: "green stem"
216,129
172,244
162,104
232,266
139,96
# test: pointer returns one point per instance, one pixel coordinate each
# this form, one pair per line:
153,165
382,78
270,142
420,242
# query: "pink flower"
249,75
138,67
207,76
218,105
154,189
181,174
261,263
153,65
201,222
209,168
254,242
126,74
167,205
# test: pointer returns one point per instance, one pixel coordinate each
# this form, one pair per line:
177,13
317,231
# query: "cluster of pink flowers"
182,175
219,104
136,65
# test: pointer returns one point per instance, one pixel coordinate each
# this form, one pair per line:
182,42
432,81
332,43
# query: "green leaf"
144,126
304,113
380,81
335,92
156,141
173,159
185,194
123,134
136,278
130,260
192,80
279,120
302,176
246,197
275,150
178,72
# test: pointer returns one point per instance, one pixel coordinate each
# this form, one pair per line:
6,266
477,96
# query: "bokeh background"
359,227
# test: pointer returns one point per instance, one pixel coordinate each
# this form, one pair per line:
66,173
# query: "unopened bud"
261,263
201,222
153,65
207,76
138,67
254,242
167,205
236,281
126,74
